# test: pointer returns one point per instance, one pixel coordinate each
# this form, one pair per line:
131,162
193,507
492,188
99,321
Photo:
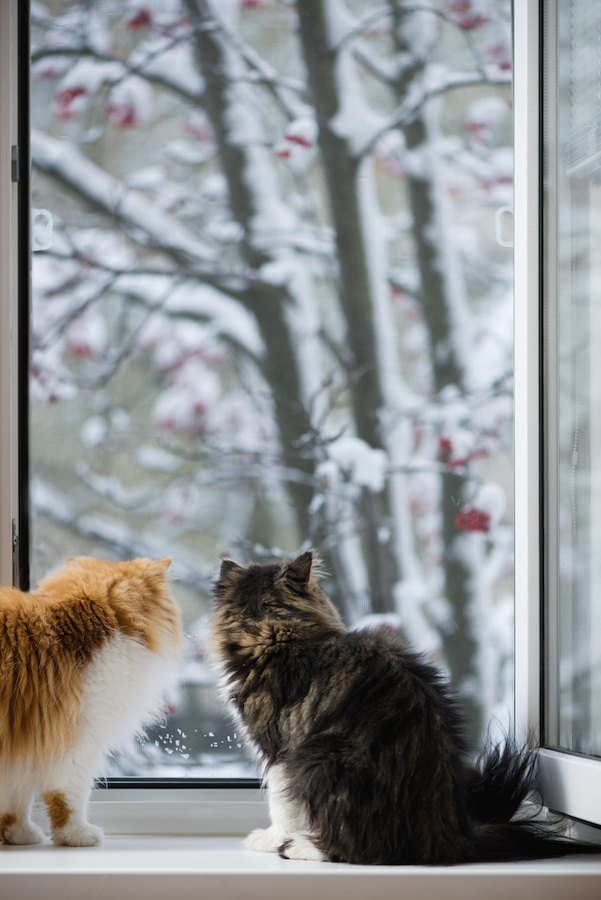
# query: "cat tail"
503,777
503,783
522,840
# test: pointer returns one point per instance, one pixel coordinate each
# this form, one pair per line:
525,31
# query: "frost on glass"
275,315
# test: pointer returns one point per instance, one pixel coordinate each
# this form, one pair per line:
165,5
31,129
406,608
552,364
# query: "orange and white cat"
84,660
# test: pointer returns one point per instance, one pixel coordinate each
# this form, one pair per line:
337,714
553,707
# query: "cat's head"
263,608
135,591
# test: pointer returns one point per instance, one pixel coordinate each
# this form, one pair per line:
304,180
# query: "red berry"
140,19
472,519
445,445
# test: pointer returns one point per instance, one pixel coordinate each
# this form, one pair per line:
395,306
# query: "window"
572,223
275,309
569,727
432,476
570,721
572,440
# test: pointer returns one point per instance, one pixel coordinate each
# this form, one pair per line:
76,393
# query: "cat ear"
299,571
228,567
166,562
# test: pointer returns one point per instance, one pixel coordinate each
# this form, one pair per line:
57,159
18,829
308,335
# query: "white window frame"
571,784
526,50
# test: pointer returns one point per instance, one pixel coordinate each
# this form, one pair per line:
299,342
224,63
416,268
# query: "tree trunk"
355,290
280,366
430,232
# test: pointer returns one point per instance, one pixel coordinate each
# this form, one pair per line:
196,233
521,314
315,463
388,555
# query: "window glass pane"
572,223
276,311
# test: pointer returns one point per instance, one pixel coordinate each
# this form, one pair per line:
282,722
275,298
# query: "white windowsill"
220,868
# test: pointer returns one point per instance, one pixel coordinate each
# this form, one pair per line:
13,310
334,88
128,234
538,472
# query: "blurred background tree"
277,313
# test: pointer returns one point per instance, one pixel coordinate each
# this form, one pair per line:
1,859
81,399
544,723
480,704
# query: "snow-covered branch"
417,100
287,92
124,541
66,163
184,85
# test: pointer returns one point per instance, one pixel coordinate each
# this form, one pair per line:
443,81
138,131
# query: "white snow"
130,98
490,498
156,459
87,333
420,30
94,431
488,111
91,74
183,406
358,462
214,187
171,63
147,178
54,155
187,152
356,120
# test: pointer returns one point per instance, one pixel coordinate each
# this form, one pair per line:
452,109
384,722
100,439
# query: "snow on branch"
173,78
386,70
440,84
234,280
286,91
65,162
121,540
170,62
357,30
109,487
165,61
196,302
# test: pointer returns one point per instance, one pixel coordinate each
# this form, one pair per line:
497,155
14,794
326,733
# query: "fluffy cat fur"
362,741
83,662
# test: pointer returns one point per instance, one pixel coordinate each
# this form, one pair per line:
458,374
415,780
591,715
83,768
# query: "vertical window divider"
527,450
11,171
21,532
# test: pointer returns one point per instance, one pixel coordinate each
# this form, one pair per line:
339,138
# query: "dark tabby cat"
362,741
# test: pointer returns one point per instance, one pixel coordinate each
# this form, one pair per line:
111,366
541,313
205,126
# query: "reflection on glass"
573,344
275,314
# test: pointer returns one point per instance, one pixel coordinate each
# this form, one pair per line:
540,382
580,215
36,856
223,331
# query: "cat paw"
22,833
84,835
299,846
265,840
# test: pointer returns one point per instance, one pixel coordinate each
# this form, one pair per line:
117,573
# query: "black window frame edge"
542,394
21,534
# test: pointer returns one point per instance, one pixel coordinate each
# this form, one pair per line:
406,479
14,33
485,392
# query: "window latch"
15,167
504,226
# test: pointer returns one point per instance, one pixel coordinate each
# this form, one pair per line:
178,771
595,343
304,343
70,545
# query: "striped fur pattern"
84,660
362,740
